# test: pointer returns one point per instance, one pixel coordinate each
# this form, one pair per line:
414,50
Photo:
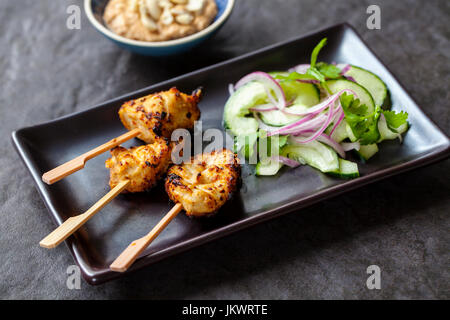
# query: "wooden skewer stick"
74,223
132,252
76,164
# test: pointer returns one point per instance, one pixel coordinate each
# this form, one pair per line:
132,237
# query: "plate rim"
95,277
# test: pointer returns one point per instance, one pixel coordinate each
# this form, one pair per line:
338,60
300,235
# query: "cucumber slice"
350,133
301,93
388,134
277,118
305,95
313,153
340,133
362,94
372,83
278,73
238,105
270,168
367,151
347,170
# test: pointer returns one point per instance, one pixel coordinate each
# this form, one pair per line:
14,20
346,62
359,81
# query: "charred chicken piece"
142,165
159,114
206,183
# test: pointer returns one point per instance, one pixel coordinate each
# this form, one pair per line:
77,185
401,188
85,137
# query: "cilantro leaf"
395,120
294,76
371,133
315,73
330,71
322,70
364,126
352,105
316,51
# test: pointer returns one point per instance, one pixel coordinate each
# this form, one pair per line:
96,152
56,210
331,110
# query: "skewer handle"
132,252
76,164
74,223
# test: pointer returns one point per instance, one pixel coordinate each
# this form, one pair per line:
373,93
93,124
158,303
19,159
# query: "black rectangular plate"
128,217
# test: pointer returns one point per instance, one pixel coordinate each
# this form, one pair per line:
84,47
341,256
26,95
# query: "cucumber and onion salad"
312,114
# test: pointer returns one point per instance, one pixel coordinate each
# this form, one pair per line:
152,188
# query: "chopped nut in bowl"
158,27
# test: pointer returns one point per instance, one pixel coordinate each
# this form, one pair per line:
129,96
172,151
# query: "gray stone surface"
400,224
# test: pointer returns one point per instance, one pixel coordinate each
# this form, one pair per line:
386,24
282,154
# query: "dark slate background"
401,224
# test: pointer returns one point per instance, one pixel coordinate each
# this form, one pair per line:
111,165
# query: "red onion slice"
317,108
314,124
340,116
284,130
269,83
310,81
322,105
301,68
333,144
289,162
264,108
347,146
310,114
318,132
337,116
344,68
297,113
285,160
272,99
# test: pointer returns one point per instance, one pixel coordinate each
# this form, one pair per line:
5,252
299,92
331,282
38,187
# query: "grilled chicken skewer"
143,166
131,170
148,118
200,187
